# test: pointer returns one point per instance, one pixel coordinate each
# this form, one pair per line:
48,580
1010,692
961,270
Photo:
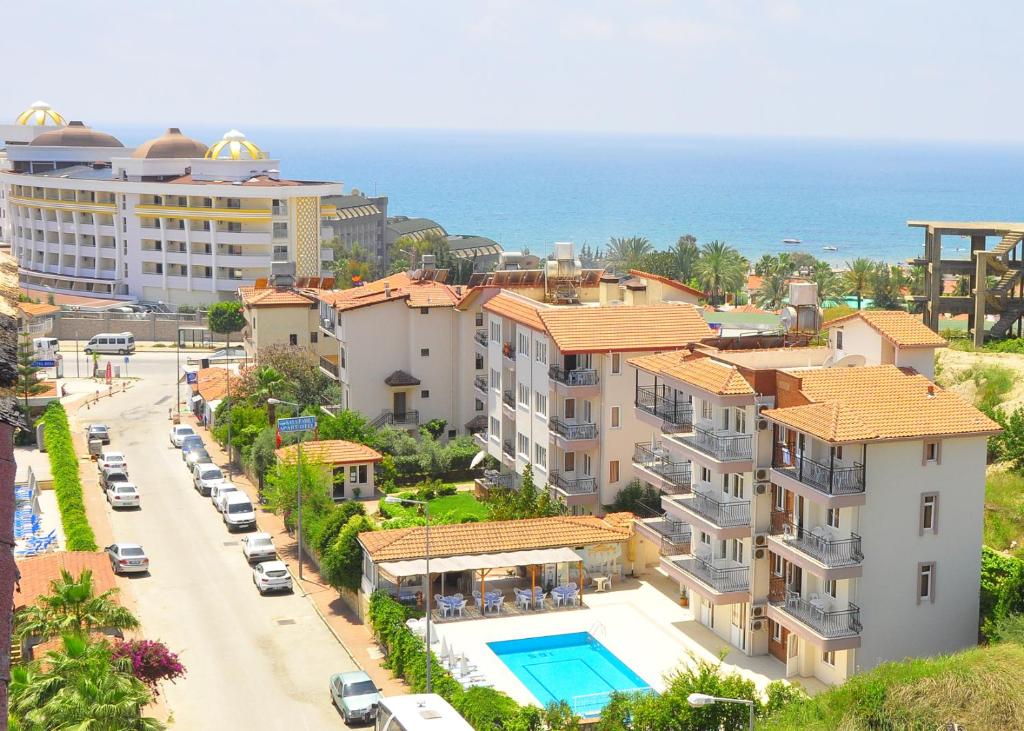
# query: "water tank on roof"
802,319
429,261
803,293
563,250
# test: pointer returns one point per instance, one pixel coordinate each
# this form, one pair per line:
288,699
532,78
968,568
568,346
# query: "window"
929,513
776,632
357,474
588,467
540,456
479,319
424,310
293,339
776,565
832,517
740,422
234,227
738,486
341,356
495,428
926,582
424,352
452,433
424,394
705,474
705,410
479,363
613,471
780,499
829,658
524,395
932,453
615,417
570,461
830,588
540,403
313,337
837,453
737,550
570,408
524,344
495,379
479,405
540,352
523,444
839,339
616,363
495,332
705,539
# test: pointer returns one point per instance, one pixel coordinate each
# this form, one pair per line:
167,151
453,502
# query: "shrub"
341,564
327,526
151,661
446,490
66,483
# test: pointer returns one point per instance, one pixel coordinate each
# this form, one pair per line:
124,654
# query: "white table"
602,583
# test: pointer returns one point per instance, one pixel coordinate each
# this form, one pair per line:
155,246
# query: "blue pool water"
572,667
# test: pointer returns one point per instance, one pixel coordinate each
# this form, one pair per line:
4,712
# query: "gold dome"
170,144
234,146
40,114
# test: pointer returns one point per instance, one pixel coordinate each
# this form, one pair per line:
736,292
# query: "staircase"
407,418
1006,320
996,297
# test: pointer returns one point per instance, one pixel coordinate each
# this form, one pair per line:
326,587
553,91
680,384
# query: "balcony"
572,432
720,584
830,480
574,377
724,519
329,364
493,479
508,398
480,382
724,447
827,628
674,415
480,336
819,543
670,477
508,350
407,418
672,536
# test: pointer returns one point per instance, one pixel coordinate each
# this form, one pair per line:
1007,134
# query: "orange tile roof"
870,403
704,373
461,539
901,328
518,309
624,328
754,282
34,309
414,293
674,283
212,383
331,451
37,573
276,297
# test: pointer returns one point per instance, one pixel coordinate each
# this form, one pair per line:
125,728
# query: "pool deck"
638,621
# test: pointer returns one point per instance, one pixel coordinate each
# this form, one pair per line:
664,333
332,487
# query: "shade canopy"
475,562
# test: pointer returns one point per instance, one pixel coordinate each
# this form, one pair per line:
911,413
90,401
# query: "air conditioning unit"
327,323
761,473
760,553
757,625
757,610
761,424
760,539
761,488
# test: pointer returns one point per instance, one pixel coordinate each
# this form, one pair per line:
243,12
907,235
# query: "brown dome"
171,144
76,134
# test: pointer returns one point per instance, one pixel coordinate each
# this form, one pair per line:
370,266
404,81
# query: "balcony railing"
480,382
410,417
829,479
503,480
480,336
677,415
508,449
725,514
723,447
843,623
509,399
655,460
575,377
574,485
816,543
572,431
723,580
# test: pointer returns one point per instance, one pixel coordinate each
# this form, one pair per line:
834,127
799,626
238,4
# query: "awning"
475,562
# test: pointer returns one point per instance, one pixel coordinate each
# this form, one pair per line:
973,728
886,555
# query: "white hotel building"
835,515
172,220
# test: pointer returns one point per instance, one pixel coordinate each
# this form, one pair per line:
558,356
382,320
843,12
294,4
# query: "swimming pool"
572,667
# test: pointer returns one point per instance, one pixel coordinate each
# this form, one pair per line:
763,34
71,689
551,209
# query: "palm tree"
72,607
686,255
773,291
80,686
721,269
625,253
857,278
269,383
829,286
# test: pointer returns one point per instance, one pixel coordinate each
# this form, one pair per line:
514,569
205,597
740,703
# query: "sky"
892,69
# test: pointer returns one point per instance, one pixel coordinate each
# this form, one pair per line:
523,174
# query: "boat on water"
791,241
830,248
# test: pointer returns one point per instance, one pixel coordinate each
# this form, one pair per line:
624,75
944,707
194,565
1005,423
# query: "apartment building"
359,220
833,516
282,316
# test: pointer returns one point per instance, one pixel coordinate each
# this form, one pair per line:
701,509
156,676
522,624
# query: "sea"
529,190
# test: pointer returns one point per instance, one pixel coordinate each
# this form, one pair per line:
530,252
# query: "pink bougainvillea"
151,661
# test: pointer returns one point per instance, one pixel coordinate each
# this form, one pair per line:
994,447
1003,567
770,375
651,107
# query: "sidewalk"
354,636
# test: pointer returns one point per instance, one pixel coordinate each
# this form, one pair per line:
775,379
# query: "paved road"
253,662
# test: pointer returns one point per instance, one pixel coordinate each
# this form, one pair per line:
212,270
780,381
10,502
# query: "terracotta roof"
461,539
33,309
754,282
901,328
624,327
276,297
674,283
212,383
414,293
518,309
401,378
878,402
704,373
37,573
331,451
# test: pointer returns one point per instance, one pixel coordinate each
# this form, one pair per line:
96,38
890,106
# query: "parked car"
258,547
123,495
206,477
355,695
98,431
191,442
111,459
113,475
179,432
198,456
220,491
271,576
127,558
237,511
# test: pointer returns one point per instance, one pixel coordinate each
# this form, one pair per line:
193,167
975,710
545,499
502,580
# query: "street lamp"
426,540
699,700
298,481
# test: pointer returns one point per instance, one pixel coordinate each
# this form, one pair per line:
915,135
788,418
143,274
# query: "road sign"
297,423
44,363
192,377
126,360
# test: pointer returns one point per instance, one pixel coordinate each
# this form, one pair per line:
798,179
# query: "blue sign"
192,377
297,423
44,363
126,360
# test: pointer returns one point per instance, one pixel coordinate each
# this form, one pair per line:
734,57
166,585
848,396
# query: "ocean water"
528,190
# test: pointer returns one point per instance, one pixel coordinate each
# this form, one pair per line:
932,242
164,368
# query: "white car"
258,547
123,495
179,432
237,511
127,558
219,492
271,576
206,477
111,459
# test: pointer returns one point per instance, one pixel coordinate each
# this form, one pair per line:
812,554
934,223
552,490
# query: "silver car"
271,576
126,558
206,478
219,492
258,547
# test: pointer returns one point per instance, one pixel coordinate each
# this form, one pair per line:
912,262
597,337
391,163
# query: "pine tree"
28,380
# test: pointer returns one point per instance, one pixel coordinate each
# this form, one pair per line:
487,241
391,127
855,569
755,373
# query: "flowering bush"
151,661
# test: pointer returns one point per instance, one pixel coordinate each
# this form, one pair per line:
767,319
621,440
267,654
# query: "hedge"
66,484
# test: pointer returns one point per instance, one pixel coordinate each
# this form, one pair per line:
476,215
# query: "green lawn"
448,509
1004,509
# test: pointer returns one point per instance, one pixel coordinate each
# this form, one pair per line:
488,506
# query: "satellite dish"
850,361
477,459
829,361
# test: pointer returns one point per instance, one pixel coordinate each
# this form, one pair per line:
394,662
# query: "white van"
238,511
120,343
45,346
419,712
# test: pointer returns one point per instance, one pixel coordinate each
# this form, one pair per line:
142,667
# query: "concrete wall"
860,338
148,327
